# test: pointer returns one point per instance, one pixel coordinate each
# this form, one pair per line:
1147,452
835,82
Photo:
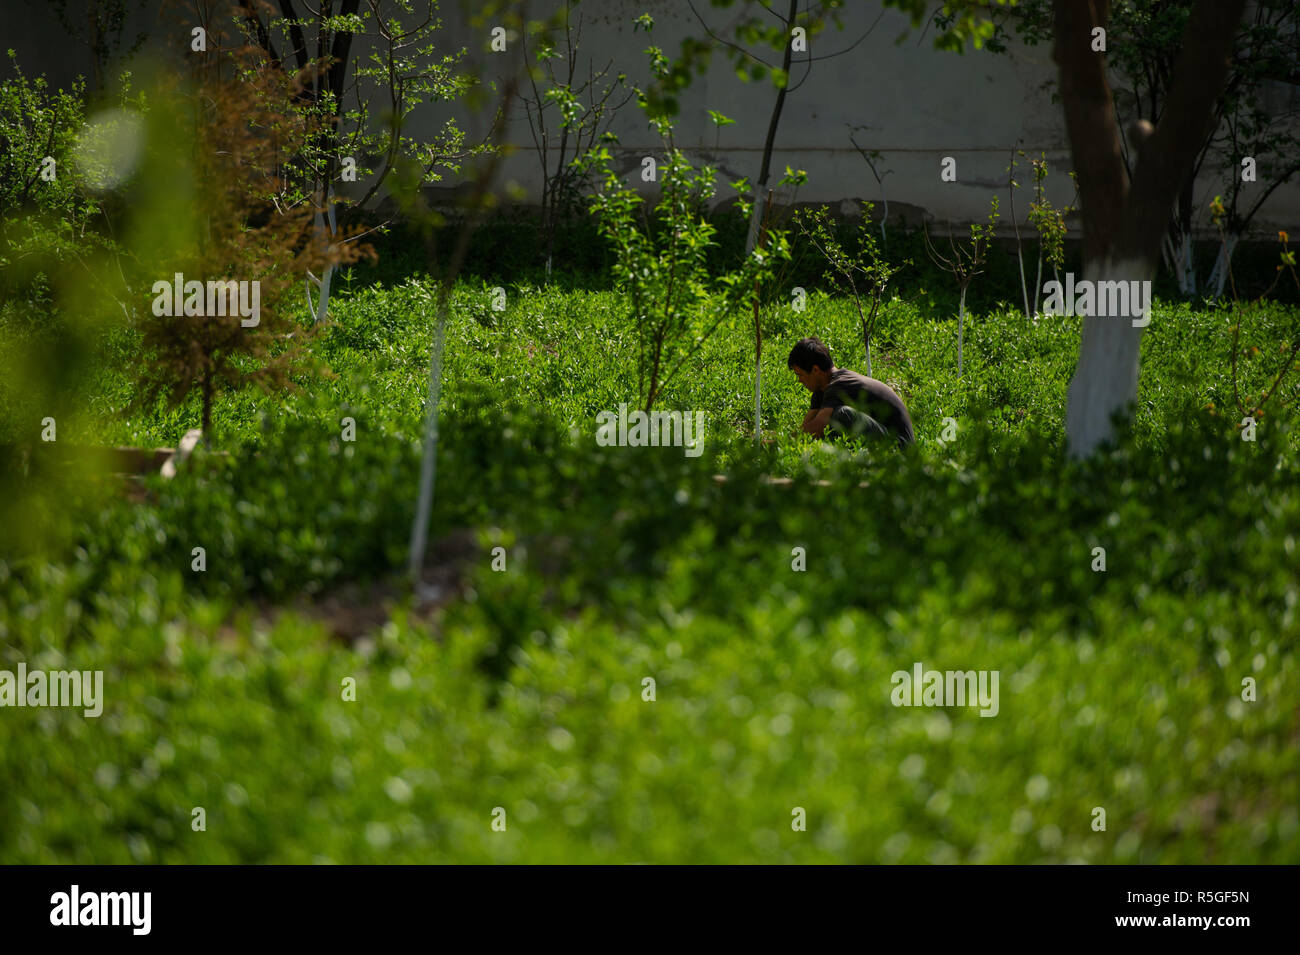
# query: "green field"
524,688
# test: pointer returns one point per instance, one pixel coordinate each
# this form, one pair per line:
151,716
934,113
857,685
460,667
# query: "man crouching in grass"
846,403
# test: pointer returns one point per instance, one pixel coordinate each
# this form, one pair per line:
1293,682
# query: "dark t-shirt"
870,396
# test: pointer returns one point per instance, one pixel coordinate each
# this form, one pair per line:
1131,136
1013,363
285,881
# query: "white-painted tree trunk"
961,320
429,461
1056,276
1038,281
1024,289
1189,266
1219,274
320,310
1106,377
1178,256
756,219
751,242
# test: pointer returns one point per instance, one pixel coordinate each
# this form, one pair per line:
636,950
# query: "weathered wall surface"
914,104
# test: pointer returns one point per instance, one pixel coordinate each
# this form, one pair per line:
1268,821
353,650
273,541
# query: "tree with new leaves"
790,37
56,296
779,26
861,272
772,249
1144,39
1124,218
355,70
212,223
45,209
1049,222
1012,186
964,263
99,25
871,158
1255,407
511,18
1260,153
676,301
568,112
767,29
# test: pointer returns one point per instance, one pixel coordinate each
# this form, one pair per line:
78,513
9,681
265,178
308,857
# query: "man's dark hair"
810,353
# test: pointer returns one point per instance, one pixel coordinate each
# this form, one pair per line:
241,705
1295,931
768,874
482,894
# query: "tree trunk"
1183,220
760,200
429,461
1123,223
866,335
756,217
1219,274
1106,377
1038,280
207,408
961,316
321,311
550,210
1178,254
97,49
550,244
1024,289
758,369
429,456
1020,258
1189,265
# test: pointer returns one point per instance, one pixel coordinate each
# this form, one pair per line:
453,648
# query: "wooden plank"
116,460
785,481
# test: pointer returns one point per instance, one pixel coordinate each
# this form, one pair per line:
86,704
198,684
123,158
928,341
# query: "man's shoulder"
847,376
843,379
865,381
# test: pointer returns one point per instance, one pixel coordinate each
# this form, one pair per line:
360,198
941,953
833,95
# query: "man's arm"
815,421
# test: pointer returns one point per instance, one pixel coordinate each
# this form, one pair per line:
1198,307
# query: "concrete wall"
912,103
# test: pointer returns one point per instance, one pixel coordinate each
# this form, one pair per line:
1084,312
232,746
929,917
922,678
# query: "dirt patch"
350,611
